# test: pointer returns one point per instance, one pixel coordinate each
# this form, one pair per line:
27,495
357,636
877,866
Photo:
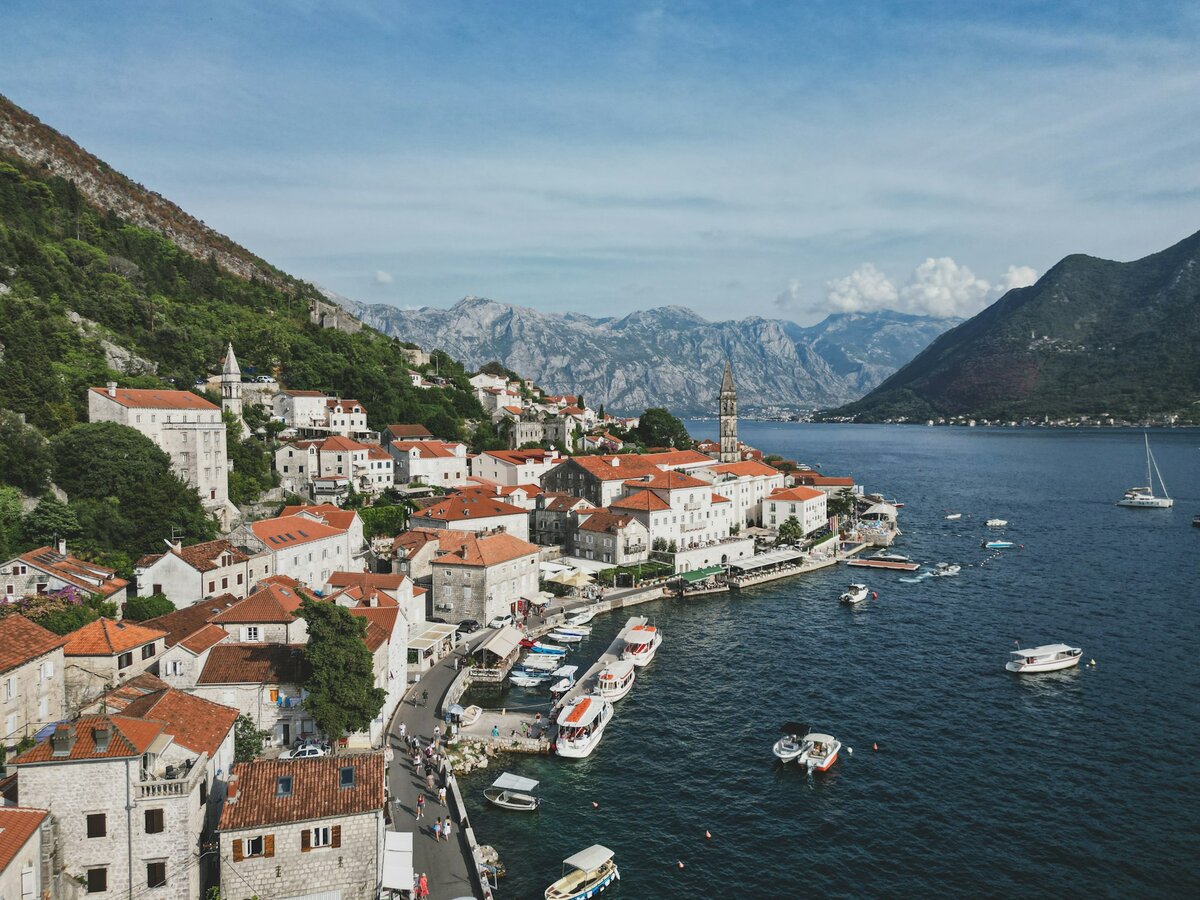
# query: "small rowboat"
954,516
551,649
998,545
582,618
513,792
565,637
585,875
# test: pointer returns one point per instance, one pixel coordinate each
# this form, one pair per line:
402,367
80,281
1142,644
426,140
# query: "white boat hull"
643,657
1146,503
788,750
582,747
821,763
1049,665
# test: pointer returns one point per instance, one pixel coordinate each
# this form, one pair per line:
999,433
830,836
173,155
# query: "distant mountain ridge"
668,356
1091,337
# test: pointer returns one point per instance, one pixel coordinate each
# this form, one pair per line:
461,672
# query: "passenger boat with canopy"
514,792
585,875
1049,658
616,680
581,725
641,644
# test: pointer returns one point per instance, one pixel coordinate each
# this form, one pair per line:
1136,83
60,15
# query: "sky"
785,160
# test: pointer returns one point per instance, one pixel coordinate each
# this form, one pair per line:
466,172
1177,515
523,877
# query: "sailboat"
1143,497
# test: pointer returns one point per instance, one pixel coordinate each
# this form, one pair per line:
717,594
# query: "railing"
695,526
695,504
634,548
180,786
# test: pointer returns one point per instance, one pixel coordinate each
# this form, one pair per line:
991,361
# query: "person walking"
423,886
446,829
442,795
437,830
403,730
420,805
429,780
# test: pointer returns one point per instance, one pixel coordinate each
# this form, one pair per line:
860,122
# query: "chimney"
112,389
615,462
101,735
62,740
60,544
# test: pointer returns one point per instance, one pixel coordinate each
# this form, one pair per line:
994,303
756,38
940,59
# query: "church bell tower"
728,413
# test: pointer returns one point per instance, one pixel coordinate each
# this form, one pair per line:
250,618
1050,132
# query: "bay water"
984,783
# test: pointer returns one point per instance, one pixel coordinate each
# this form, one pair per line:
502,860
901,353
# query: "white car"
309,751
501,621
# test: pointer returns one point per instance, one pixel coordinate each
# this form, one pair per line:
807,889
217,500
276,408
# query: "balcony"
634,548
172,781
694,526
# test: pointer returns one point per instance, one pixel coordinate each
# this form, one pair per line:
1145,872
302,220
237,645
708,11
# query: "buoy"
681,863
850,750
595,805
875,746
874,596
708,834
1091,662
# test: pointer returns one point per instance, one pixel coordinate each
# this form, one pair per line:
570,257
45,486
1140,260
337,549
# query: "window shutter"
269,845
336,836
237,850
305,841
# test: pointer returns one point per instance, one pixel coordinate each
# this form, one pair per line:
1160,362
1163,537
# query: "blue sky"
778,159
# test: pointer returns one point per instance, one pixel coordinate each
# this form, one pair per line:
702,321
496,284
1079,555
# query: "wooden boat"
513,792
585,875
550,649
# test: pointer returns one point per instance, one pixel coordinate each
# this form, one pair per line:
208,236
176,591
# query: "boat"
566,679
886,560
513,792
854,594
585,875
1049,658
582,618
581,725
565,637
551,649
791,745
996,523
954,516
946,570
581,630
1143,497
470,715
616,680
543,662
889,556
641,644
998,545
1196,521
820,751
528,679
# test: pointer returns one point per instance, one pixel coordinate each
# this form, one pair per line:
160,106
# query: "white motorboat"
566,679
529,679
581,618
514,792
791,745
565,637
583,630
946,570
1143,497
546,662
581,725
996,523
820,751
889,556
953,516
1049,658
616,680
585,875
549,649
854,594
641,644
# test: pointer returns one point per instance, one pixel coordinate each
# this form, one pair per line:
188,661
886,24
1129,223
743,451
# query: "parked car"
265,379
307,751
467,626
501,621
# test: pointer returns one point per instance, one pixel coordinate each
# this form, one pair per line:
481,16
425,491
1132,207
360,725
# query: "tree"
248,739
658,428
11,530
841,504
389,520
790,531
342,696
24,455
139,609
49,521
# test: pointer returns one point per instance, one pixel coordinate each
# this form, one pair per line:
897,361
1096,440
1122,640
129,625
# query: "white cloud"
863,290
1015,277
941,287
790,298
382,277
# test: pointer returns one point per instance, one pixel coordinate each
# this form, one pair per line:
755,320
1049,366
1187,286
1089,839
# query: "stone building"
486,576
186,575
32,681
49,569
728,417
26,850
104,653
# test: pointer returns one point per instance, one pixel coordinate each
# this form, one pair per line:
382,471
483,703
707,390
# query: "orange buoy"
874,596
681,863
708,834
875,746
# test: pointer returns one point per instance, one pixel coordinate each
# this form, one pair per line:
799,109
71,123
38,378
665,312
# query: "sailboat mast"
1156,472
1149,480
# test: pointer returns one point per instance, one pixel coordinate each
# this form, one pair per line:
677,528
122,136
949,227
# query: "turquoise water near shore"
985,783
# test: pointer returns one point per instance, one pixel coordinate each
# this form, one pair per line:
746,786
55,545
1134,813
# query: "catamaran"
1143,497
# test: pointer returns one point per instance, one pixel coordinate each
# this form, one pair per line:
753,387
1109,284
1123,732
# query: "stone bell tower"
728,414
231,388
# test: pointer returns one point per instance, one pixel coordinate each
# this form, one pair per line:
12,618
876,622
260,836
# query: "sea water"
985,783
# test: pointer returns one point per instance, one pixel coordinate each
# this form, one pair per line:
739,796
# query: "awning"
510,782
771,558
701,574
883,510
398,861
504,641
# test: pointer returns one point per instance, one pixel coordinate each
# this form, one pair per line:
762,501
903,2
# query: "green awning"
701,574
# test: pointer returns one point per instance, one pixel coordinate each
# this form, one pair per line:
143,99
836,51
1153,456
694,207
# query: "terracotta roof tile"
106,637
272,603
604,520
317,793
333,516
197,724
86,575
189,620
17,826
795,493
255,664
643,501
747,467
156,399
427,449
409,431
22,641
488,550
208,636
466,507
391,583
129,737
291,531
667,481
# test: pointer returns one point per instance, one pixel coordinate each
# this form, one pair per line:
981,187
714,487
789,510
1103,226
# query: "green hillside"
1091,337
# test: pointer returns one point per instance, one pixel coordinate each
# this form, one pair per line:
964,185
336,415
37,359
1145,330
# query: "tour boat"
954,516
581,725
565,637
1049,658
585,875
854,594
641,644
616,680
946,570
996,523
514,792
582,618
998,545
820,751
791,745
552,649
1143,497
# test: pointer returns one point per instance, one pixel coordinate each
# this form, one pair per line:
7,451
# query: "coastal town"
190,753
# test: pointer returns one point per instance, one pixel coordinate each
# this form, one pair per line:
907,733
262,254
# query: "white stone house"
305,828
483,380
476,512
186,575
693,514
262,681
367,467
23,835
601,479
746,484
611,537
32,679
513,467
305,547
486,576
435,463
807,504
190,635
185,426
104,653
269,615
314,415
49,569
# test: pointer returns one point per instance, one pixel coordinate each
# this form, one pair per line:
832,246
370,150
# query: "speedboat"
954,516
551,649
1143,497
566,637
582,618
513,792
791,745
616,680
641,644
585,875
1049,658
820,751
855,594
998,545
889,556
581,725
996,523
946,570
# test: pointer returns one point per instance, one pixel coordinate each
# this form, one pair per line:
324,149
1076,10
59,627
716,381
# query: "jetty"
587,684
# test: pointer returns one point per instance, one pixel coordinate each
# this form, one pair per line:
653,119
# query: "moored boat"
616,680
1049,658
893,561
641,644
791,745
551,649
820,751
513,792
854,594
585,875
581,725
565,637
566,679
946,570
996,523
544,662
954,516
581,618
528,679
998,545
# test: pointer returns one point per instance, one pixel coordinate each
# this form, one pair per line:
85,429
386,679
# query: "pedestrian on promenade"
403,730
437,830
420,805
495,731
446,828
429,781
423,886
442,795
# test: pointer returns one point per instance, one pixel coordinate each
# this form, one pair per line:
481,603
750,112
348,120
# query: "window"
212,587
125,660
251,632
175,667
148,650
321,837
283,786
97,825
154,821
156,589
203,792
156,874
97,881
255,846
239,578
346,777
10,688
224,583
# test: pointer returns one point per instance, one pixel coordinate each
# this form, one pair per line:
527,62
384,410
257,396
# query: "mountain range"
1092,337
668,356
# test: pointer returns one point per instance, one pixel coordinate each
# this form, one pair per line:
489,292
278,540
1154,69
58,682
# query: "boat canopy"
770,558
592,858
644,635
618,669
510,782
583,711
1047,650
700,574
818,738
564,671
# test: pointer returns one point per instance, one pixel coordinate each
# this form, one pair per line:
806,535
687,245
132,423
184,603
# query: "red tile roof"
208,636
185,622
17,826
409,431
644,501
291,531
116,699
332,515
605,521
488,550
255,664
106,637
413,540
464,508
825,480
717,498
201,557
156,399
747,467
270,604
129,737
795,493
427,449
197,724
367,581
560,502
254,800
22,641
520,457
337,443
380,623
667,481
89,576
